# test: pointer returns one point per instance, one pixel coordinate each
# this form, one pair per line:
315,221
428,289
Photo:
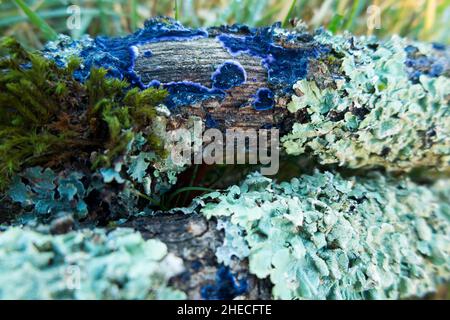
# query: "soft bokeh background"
33,21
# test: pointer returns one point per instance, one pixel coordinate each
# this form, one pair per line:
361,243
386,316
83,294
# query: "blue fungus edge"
264,99
226,286
184,93
118,55
210,122
285,66
228,75
189,93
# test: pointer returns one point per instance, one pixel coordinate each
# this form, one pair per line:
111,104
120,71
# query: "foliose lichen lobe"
384,112
87,264
88,198
323,236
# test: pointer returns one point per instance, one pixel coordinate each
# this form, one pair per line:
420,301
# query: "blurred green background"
35,21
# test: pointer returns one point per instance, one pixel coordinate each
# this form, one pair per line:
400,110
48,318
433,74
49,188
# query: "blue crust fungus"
87,264
285,63
264,99
230,74
226,286
117,54
323,236
189,93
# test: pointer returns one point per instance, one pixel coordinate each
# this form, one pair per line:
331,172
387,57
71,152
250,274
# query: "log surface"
175,55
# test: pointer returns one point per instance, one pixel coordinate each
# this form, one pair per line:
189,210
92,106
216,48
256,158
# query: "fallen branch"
356,102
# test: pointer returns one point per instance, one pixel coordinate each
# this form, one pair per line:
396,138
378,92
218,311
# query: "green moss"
47,117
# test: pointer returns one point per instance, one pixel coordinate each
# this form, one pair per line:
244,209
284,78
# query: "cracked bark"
195,61
195,240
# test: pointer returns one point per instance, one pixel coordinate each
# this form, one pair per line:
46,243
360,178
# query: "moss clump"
47,117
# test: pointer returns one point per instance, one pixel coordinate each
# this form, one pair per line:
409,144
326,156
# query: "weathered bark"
195,240
195,61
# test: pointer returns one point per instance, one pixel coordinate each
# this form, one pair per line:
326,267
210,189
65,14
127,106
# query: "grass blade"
36,20
357,7
188,189
336,23
134,15
176,10
288,15
104,21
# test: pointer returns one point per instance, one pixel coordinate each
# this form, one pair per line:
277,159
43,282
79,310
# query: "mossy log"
354,102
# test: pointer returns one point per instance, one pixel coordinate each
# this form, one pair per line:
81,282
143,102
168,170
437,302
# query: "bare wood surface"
195,240
195,61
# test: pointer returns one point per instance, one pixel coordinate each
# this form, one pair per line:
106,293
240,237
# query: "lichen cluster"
323,236
374,116
88,264
91,198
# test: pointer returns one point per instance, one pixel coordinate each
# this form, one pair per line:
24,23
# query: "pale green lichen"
88,264
323,236
46,194
375,116
234,244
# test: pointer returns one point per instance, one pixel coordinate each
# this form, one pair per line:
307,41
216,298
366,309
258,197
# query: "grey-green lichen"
323,236
88,264
374,115
45,194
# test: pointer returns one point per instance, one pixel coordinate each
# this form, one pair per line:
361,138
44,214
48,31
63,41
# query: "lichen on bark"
323,236
354,102
375,116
